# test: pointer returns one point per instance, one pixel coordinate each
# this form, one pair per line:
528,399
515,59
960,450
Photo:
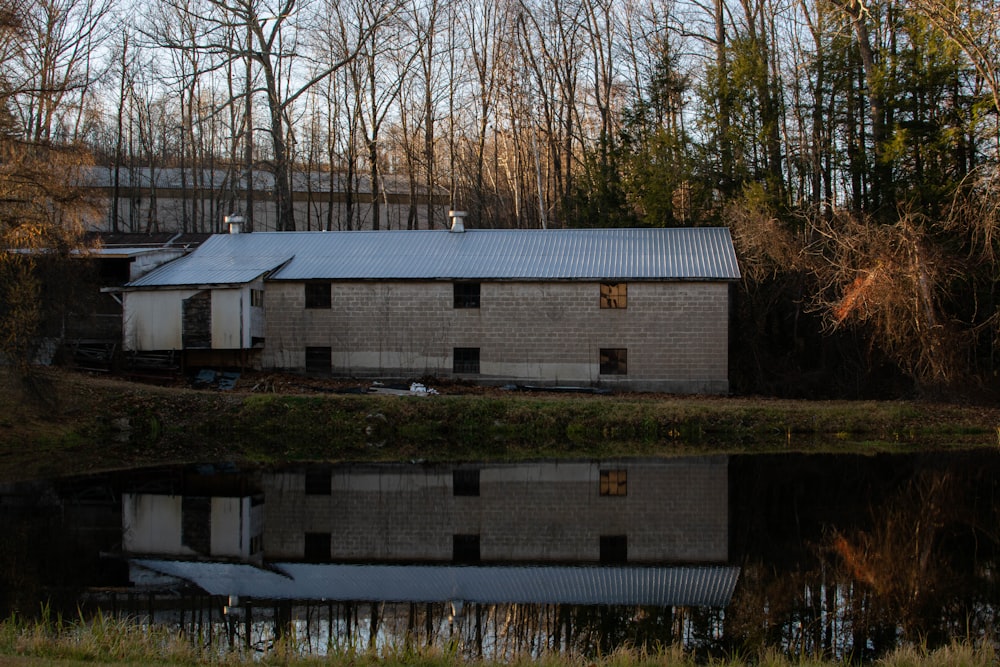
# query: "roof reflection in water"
584,585
622,532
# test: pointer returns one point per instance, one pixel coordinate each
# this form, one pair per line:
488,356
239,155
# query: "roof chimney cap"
235,223
457,221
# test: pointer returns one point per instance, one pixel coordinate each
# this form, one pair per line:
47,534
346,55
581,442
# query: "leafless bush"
889,279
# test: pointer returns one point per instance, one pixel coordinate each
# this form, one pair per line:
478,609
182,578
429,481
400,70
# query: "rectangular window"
614,361
318,484
317,547
318,295
466,360
614,295
196,524
465,482
465,549
257,298
614,483
196,321
614,549
467,295
318,360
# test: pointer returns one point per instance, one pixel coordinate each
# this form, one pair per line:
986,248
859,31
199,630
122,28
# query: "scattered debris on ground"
208,378
291,383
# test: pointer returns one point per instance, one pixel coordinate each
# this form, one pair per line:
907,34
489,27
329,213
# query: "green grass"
95,423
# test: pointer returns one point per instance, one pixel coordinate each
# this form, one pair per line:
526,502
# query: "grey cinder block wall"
675,334
674,511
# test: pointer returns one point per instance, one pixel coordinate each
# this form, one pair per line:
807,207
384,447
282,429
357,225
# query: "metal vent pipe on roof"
457,221
235,223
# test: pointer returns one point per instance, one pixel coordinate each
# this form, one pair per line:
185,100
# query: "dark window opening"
114,271
614,483
466,295
318,484
318,295
196,321
465,549
196,524
466,360
317,547
614,361
614,549
614,295
318,360
465,482
257,298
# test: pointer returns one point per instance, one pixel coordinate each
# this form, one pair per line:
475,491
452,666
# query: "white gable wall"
147,261
231,527
152,524
153,319
230,320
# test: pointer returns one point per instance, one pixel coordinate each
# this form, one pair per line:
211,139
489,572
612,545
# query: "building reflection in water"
827,556
468,538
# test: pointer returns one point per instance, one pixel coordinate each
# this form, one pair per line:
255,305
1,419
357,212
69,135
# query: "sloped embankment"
75,423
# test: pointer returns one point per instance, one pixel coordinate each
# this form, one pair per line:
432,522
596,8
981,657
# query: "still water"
819,555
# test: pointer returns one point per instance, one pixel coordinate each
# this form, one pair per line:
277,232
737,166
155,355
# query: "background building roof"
702,253
167,179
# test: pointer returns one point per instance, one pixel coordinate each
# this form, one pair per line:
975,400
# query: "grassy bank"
120,643
74,423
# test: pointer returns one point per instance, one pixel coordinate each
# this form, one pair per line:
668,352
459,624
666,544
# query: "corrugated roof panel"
566,254
588,585
222,262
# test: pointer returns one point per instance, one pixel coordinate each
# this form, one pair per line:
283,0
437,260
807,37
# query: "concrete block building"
618,511
622,531
631,309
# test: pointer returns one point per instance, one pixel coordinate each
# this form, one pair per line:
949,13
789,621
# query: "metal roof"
188,240
211,269
701,253
542,584
126,252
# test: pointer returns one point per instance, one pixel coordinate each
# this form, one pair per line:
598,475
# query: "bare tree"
379,72
487,27
601,38
408,142
124,60
55,62
41,206
550,45
890,280
874,76
275,43
427,19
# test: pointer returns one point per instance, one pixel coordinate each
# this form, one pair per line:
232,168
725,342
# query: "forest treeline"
851,148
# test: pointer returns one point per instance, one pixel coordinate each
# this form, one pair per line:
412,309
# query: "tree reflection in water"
855,556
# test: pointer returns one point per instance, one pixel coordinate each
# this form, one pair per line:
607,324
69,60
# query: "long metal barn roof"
701,253
635,585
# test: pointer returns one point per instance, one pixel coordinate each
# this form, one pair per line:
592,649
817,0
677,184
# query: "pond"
820,555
